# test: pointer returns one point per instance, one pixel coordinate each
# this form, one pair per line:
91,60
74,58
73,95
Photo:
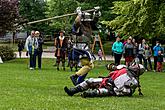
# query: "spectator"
30,48
100,55
159,61
117,49
40,49
147,55
128,51
156,48
20,48
141,49
35,47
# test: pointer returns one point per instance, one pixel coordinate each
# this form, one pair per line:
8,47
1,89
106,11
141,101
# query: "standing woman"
117,49
40,49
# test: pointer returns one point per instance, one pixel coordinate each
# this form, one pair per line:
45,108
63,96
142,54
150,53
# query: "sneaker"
31,68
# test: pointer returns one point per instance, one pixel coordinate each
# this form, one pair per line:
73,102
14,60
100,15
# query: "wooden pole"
94,43
61,16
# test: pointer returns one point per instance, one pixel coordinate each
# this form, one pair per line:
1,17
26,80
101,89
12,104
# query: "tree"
145,18
61,7
32,10
9,15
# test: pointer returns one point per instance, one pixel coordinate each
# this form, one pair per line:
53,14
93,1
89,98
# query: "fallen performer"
121,82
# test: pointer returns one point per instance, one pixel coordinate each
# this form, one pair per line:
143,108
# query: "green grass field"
23,89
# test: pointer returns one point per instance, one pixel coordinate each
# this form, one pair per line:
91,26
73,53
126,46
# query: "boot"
72,91
90,93
74,79
58,67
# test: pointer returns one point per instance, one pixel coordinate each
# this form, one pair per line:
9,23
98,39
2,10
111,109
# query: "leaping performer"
121,82
82,29
86,63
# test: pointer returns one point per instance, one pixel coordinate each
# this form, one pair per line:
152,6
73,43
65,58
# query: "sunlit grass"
23,89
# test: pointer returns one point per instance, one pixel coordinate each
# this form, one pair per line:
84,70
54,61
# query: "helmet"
110,67
142,69
138,69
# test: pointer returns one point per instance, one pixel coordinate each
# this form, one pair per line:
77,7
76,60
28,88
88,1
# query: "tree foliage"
8,15
32,10
60,7
139,17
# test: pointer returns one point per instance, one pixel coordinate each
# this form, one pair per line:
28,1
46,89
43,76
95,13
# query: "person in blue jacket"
156,48
117,49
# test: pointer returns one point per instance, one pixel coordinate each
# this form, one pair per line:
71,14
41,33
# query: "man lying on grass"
122,81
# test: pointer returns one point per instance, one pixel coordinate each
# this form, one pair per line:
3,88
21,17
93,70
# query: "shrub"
6,53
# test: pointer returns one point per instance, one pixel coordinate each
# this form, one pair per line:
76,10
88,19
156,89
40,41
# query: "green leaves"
139,17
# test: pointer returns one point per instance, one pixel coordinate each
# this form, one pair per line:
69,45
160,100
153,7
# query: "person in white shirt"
29,46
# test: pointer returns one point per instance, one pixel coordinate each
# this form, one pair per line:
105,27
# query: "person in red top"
121,82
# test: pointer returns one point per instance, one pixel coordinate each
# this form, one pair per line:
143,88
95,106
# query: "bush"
6,53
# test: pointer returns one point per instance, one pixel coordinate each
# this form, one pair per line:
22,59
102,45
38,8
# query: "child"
159,61
100,54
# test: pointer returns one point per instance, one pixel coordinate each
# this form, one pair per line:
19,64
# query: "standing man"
61,46
129,51
30,48
117,49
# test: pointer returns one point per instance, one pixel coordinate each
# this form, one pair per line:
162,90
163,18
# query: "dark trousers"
148,60
39,59
34,57
155,62
31,60
141,57
117,58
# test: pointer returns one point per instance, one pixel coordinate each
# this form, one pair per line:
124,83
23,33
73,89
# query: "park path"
51,55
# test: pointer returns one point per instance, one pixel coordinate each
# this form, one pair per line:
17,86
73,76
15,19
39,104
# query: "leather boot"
74,79
73,91
90,93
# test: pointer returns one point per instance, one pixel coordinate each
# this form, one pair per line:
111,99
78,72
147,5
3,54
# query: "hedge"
7,53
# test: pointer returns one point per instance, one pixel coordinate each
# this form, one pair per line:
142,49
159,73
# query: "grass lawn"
23,89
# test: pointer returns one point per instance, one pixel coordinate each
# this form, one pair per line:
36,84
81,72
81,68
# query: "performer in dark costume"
61,47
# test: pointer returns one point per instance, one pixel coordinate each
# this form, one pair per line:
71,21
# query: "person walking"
117,49
20,48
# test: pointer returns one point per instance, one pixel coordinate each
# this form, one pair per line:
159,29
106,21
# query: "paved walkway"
51,55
